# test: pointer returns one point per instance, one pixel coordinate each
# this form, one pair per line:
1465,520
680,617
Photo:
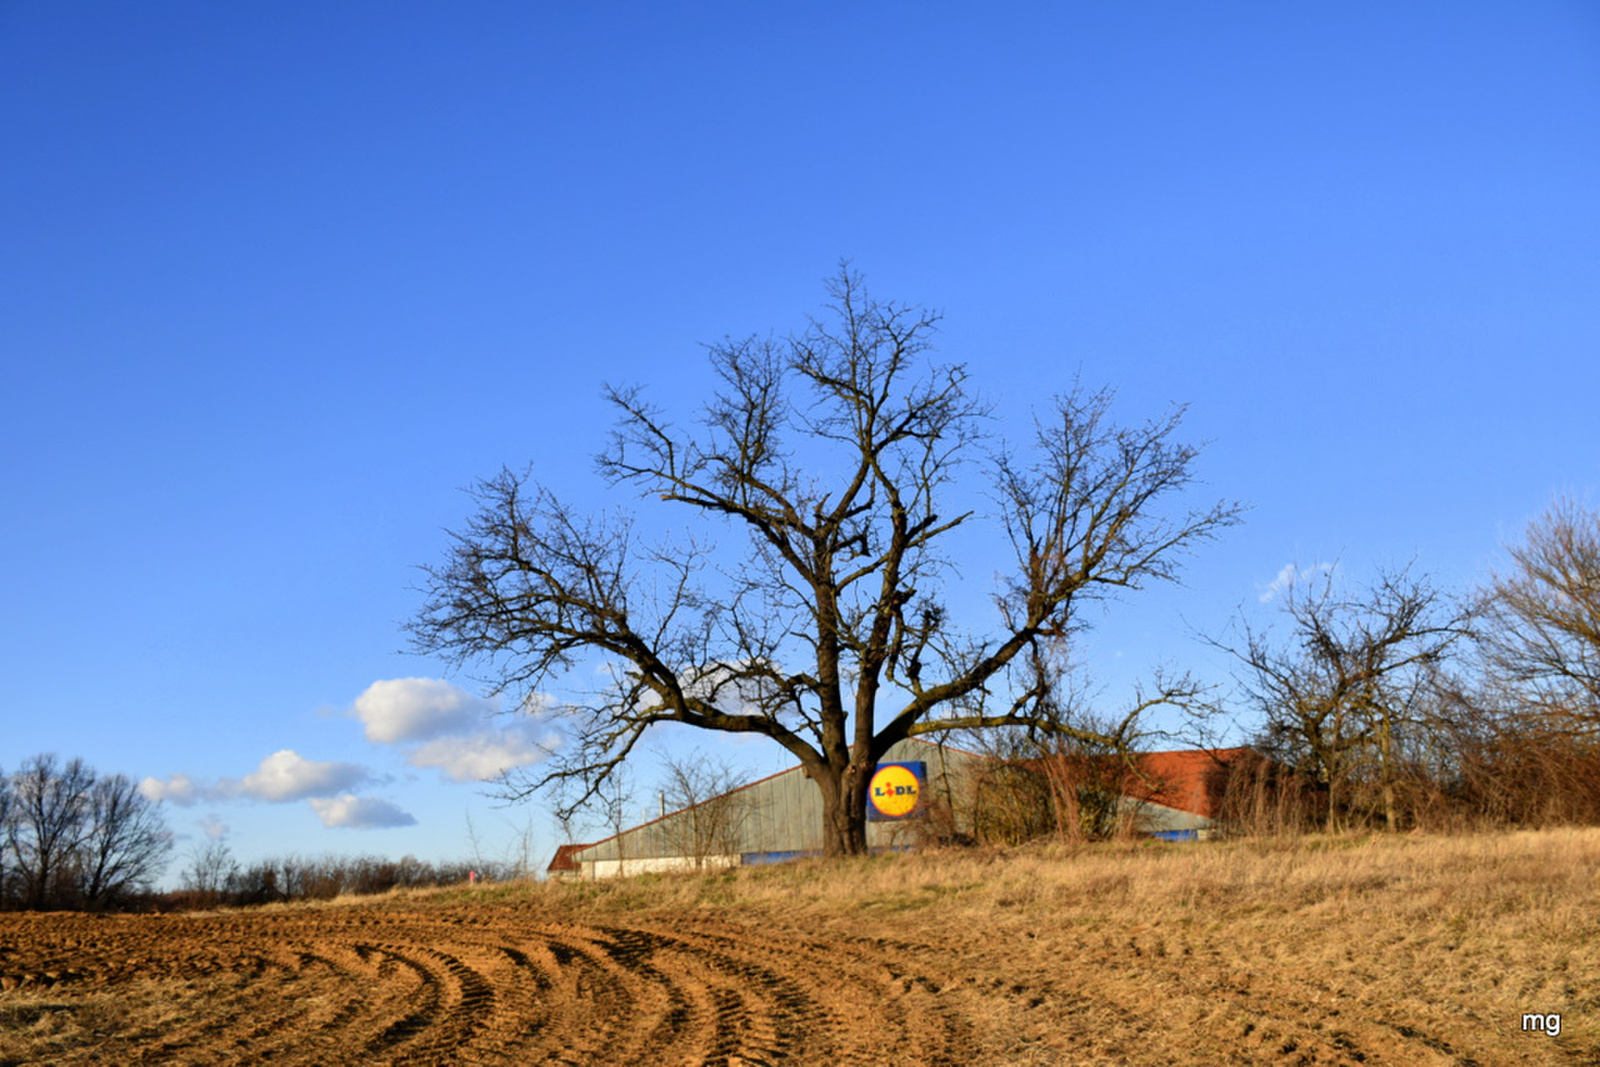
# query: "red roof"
1191,781
563,861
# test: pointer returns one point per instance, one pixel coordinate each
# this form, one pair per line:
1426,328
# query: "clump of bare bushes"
1069,789
1399,707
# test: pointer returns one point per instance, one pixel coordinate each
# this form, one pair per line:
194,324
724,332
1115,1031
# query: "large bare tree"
126,843
69,838
49,820
836,451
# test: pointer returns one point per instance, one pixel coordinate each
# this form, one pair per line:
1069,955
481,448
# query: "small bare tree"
1541,628
211,873
614,797
519,861
710,812
1341,696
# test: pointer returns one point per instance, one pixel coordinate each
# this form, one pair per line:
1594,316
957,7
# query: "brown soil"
383,983
1203,957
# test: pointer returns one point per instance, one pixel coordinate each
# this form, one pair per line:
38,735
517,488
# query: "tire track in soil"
253,1015
828,1004
393,986
740,1009
428,1006
591,1002
460,1002
1303,1015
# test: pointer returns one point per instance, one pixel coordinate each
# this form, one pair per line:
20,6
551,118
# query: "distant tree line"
1400,706
213,877
1391,706
74,839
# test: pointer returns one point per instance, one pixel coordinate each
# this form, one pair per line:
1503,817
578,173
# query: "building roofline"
1219,755
797,768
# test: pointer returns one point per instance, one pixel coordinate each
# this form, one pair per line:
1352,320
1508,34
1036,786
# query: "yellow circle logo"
893,791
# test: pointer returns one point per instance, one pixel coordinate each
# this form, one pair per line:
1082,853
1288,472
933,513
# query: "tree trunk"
1391,815
844,812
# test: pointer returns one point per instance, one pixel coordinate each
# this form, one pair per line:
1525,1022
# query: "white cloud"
359,813
283,776
443,726
448,726
286,775
214,828
724,684
481,757
1288,577
180,789
417,709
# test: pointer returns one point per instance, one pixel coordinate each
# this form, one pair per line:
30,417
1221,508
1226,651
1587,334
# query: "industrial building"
921,791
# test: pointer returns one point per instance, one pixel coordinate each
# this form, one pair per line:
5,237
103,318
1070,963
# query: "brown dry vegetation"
1393,949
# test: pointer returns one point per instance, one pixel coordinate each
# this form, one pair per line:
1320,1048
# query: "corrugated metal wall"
782,813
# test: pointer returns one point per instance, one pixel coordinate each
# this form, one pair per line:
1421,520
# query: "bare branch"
1541,632
831,454
1337,699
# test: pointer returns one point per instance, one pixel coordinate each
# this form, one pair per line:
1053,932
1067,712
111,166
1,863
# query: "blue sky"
277,280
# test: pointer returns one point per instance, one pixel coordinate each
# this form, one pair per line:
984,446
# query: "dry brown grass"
1406,950
1432,948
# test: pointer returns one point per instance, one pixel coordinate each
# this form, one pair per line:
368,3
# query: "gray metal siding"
784,813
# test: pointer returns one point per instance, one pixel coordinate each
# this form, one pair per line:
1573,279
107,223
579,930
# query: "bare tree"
479,863
614,796
519,861
711,811
5,838
211,873
1340,697
50,820
1541,631
836,453
1072,782
126,844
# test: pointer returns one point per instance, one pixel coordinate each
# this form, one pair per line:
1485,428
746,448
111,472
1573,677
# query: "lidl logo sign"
894,790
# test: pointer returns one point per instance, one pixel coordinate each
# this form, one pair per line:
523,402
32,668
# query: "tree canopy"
844,455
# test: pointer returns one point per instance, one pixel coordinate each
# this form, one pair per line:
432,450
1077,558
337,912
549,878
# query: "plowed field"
389,985
917,960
